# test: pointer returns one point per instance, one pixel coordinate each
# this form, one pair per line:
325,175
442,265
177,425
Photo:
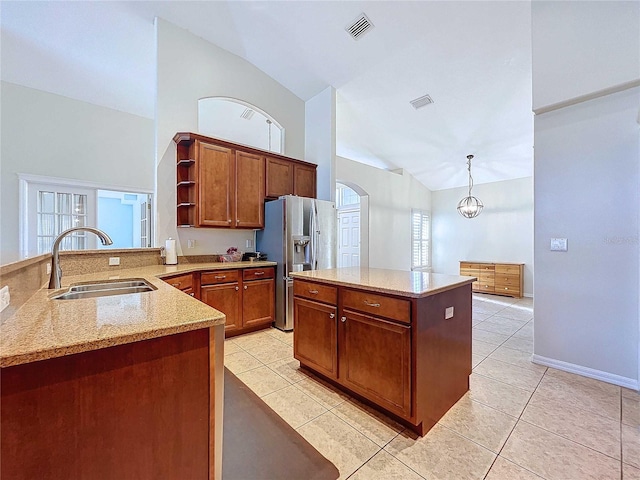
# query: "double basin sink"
105,289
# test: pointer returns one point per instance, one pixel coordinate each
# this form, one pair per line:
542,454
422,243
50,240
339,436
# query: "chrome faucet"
56,271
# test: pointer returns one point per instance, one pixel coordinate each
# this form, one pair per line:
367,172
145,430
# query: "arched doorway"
352,205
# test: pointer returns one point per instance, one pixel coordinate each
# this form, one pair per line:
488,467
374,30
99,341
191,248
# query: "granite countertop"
44,328
395,282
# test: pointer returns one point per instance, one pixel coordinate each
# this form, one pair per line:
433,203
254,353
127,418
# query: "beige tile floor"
518,420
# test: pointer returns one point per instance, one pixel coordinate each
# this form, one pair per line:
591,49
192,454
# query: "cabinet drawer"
469,272
315,291
469,265
508,290
507,280
379,305
219,276
508,269
486,279
486,267
257,273
181,282
484,287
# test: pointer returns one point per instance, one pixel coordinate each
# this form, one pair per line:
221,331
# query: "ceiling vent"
247,114
359,26
421,102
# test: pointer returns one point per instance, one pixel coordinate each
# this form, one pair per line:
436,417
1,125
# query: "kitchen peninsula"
117,386
399,340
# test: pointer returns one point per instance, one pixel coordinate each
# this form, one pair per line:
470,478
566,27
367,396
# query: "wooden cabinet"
246,297
249,190
287,177
498,278
224,185
218,185
304,180
279,177
315,337
401,354
375,360
184,283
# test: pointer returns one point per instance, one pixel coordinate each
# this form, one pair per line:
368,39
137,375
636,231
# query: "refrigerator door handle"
312,235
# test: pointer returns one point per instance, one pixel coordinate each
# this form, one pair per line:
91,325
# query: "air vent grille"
247,114
359,26
421,102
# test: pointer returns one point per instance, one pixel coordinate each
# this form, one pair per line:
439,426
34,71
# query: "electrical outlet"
5,299
48,269
448,313
191,243
249,244
114,261
558,245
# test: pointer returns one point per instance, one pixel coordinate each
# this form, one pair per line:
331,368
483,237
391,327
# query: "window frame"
27,185
424,215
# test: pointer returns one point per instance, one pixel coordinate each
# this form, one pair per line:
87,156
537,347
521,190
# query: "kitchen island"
398,340
122,386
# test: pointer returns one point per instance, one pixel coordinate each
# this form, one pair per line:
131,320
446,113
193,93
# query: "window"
420,239
49,206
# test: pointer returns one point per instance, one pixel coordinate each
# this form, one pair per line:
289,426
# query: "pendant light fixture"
470,206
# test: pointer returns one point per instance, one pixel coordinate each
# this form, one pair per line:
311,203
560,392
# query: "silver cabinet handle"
343,319
371,304
258,273
237,288
245,287
313,292
176,284
332,315
192,294
220,277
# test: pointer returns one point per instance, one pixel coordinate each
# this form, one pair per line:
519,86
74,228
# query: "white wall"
503,232
320,140
391,198
190,68
47,134
586,174
581,47
586,171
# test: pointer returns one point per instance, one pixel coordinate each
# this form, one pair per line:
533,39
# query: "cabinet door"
279,175
249,194
304,181
227,299
375,360
315,336
258,302
215,178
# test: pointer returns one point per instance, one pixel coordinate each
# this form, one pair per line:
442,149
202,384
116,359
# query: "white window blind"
420,239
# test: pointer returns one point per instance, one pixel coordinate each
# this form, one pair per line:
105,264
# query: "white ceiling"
473,58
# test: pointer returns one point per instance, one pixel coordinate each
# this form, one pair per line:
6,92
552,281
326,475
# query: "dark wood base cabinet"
140,410
397,353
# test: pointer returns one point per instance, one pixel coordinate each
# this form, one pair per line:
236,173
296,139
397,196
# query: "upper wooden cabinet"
304,180
279,175
223,184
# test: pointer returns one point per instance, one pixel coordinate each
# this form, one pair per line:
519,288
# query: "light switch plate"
5,299
558,245
114,261
191,243
448,313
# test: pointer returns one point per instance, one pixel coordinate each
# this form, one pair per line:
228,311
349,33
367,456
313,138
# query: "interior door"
349,237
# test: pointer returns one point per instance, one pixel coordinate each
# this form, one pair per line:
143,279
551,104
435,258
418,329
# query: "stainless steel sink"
104,289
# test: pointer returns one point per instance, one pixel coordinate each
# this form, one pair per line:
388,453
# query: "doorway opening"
352,205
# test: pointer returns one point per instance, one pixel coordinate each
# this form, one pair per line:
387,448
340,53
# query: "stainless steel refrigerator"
300,234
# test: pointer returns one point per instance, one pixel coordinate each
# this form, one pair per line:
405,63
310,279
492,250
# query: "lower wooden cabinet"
375,360
246,297
315,336
497,278
398,353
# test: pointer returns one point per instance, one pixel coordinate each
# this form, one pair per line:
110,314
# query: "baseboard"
528,295
626,382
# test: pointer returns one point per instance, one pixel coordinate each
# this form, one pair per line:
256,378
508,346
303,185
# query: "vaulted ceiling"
473,58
